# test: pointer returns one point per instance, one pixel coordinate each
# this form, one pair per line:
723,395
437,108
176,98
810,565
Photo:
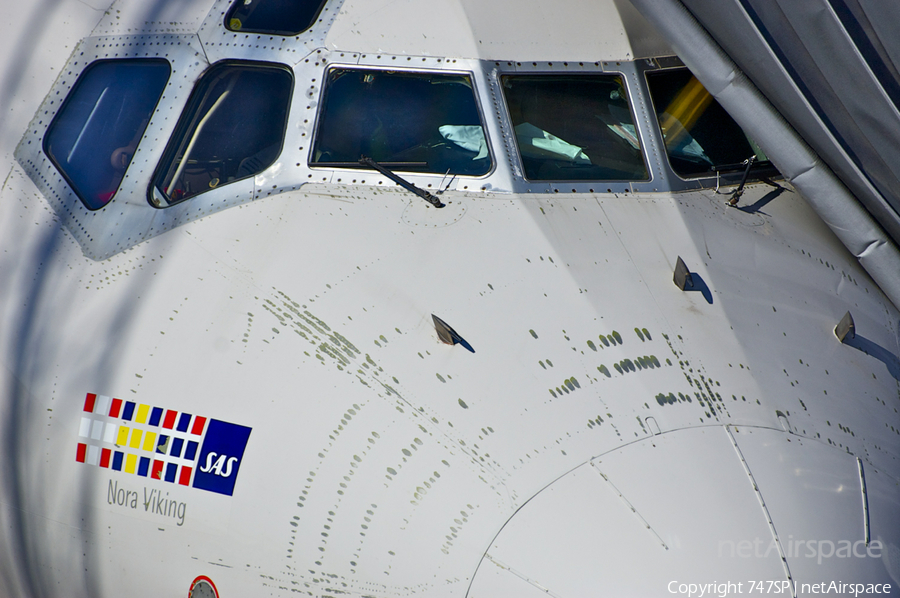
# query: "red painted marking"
89,402
115,408
199,422
207,580
105,454
185,478
157,471
80,453
170,419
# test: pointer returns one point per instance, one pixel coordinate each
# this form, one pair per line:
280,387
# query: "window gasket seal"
279,32
515,144
69,98
184,124
471,75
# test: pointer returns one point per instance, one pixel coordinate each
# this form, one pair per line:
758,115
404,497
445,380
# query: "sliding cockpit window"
701,138
96,132
574,128
233,128
273,17
405,121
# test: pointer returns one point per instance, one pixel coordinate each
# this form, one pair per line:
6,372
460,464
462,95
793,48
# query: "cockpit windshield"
96,132
413,122
574,127
232,128
274,17
701,138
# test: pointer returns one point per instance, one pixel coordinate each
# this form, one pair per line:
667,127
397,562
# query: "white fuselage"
610,433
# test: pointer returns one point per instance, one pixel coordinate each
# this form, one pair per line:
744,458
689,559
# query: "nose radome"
644,519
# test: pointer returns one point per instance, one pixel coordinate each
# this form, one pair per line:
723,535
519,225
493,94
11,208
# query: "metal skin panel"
381,461
157,18
496,579
525,435
221,43
790,151
827,67
129,219
794,474
35,54
490,31
595,525
768,307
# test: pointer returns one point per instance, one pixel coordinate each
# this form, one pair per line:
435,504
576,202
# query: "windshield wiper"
366,161
736,196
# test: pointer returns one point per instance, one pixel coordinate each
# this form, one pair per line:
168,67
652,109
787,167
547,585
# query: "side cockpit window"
273,17
233,128
700,137
94,135
574,127
412,122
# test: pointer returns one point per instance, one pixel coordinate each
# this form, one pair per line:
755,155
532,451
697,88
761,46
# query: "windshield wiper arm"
366,161
736,196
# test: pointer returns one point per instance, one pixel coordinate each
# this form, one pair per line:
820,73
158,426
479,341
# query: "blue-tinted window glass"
93,137
701,138
233,128
276,17
574,128
413,122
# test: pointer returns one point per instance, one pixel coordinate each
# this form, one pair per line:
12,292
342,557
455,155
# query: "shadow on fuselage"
760,203
40,271
891,361
699,285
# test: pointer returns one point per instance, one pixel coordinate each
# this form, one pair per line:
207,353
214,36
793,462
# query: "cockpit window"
274,17
94,135
701,138
414,122
574,127
233,128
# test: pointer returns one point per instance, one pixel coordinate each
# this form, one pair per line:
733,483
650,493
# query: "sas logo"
162,444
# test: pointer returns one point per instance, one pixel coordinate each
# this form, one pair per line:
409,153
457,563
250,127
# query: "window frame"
70,97
641,135
229,14
761,169
186,122
323,93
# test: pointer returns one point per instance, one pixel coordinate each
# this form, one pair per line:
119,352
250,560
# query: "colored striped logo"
162,444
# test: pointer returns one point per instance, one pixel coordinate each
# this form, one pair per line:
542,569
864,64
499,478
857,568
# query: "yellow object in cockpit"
683,111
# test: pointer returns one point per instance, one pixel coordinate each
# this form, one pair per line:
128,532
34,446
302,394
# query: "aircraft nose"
647,518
